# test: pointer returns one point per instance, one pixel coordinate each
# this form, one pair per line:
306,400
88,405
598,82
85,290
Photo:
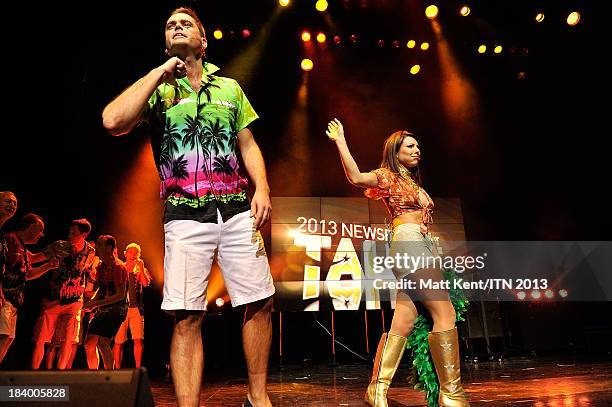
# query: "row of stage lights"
432,11
321,38
538,295
572,19
307,65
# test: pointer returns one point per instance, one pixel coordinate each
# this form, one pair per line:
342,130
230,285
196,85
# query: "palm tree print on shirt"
223,166
191,137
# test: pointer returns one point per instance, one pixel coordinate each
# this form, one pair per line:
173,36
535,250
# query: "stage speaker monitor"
85,388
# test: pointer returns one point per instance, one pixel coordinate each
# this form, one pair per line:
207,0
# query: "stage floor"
522,382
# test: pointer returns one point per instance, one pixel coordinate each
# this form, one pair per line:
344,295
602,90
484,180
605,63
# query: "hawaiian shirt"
108,279
67,283
194,140
16,269
135,289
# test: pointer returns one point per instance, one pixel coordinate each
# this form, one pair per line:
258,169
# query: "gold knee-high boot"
444,348
388,356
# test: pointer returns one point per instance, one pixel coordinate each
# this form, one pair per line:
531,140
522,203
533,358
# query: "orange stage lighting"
321,38
431,11
307,64
305,36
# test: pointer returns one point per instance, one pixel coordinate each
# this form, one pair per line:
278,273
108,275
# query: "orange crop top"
400,196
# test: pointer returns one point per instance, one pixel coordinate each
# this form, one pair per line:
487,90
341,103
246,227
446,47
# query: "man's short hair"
82,224
27,220
109,241
133,246
192,14
8,193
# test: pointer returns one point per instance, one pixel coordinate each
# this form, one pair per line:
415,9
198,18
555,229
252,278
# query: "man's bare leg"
256,340
73,353
50,356
106,352
187,357
38,354
118,354
91,350
138,347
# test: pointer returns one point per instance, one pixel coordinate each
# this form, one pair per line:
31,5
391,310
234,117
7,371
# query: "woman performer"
397,183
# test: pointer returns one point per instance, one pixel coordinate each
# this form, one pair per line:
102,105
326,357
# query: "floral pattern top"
16,269
195,140
400,196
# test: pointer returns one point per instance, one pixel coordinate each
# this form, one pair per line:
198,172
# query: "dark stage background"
527,157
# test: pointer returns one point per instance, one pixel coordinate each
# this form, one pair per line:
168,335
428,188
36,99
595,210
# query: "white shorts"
8,319
135,322
190,249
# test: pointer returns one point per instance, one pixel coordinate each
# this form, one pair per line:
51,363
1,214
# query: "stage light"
521,295
425,46
396,44
549,294
497,49
353,38
431,11
521,75
337,39
562,293
305,36
536,294
573,18
415,69
380,43
307,64
283,3
321,38
465,11
411,44
321,5
246,33
219,302
482,49
218,34
539,17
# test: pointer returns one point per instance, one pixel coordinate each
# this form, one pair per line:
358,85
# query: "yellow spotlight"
415,69
307,64
431,11
411,44
425,46
283,3
482,49
219,302
573,18
321,5
465,11
321,37
218,34
539,17
305,36
497,49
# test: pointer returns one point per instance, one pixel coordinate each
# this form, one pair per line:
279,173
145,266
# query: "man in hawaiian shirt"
199,122
64,297
138,278
108,304
18,269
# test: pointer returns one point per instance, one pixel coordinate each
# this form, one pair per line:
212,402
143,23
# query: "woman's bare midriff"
408,217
